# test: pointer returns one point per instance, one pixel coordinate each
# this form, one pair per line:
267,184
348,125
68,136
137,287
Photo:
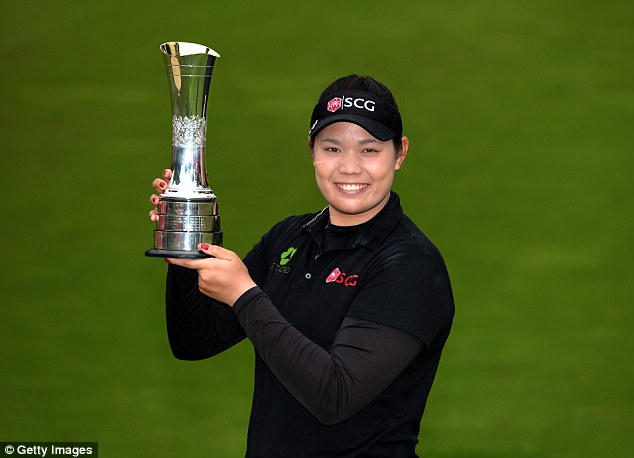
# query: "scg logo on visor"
336,103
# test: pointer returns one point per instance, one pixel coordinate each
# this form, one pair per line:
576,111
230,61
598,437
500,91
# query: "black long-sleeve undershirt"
198,327
332,383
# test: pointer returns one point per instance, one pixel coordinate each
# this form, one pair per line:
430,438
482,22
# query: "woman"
348,309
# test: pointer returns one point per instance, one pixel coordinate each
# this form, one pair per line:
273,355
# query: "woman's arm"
198,327
332,383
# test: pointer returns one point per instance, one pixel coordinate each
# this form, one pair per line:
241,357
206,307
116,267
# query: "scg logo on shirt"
337,276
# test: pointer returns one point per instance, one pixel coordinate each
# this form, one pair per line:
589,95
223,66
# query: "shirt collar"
372,235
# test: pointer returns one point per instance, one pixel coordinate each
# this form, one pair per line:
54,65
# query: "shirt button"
308,276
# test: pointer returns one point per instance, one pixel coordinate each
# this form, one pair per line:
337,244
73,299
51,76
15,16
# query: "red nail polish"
204,246
167,260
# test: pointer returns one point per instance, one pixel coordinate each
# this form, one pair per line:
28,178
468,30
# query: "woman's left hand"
223,277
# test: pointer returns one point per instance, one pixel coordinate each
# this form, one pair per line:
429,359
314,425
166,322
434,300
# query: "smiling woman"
354,171
348,309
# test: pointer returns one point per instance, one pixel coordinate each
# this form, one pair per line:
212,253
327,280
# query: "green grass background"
520,115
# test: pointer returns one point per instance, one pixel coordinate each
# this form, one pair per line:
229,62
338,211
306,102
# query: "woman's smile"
352,188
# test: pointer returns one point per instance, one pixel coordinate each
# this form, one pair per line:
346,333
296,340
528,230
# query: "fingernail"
166,172
167,260
204,246
162,185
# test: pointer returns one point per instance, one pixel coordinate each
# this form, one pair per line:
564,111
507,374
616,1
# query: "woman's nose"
349,165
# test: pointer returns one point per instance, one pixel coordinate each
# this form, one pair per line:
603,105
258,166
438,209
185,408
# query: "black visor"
376,116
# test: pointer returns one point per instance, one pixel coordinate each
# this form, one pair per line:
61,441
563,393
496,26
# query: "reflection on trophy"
188,209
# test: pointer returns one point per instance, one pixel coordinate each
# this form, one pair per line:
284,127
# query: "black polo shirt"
392,275
347,338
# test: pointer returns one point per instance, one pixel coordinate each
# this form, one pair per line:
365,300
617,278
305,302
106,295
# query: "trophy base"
182,225
182,244
154,253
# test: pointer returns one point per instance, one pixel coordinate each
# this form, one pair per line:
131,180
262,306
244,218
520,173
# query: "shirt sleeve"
333,383
198,327
408,290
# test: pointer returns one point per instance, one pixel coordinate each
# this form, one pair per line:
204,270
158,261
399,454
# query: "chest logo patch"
284,258
337,276
287,255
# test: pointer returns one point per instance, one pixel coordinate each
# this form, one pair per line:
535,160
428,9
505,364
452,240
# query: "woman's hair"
362,84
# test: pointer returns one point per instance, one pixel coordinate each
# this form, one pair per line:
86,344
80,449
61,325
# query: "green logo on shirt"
287,255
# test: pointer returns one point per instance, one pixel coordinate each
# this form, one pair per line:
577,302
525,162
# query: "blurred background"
520,115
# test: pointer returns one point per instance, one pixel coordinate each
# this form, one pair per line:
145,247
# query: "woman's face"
354,171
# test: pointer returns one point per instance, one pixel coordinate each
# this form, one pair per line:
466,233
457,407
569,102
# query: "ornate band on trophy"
188,131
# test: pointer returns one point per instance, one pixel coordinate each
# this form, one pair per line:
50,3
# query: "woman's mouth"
351,187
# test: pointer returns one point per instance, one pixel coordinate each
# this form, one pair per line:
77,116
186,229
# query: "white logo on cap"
337,103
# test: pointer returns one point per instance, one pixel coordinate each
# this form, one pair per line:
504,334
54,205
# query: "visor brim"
375,128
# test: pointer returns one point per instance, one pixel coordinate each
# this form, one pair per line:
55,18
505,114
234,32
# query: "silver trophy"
188,209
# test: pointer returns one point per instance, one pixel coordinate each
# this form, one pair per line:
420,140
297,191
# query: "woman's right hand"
160,184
